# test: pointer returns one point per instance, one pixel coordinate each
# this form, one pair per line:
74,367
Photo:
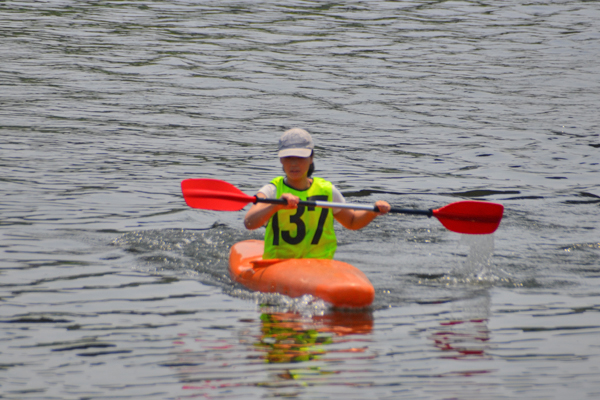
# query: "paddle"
469,216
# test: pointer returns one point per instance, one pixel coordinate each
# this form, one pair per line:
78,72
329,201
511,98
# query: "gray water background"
112,288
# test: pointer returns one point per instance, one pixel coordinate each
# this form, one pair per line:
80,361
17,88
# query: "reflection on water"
299,349
465,335
285,339
291,337
317,342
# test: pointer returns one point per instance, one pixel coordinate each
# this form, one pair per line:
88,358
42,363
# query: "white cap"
295,142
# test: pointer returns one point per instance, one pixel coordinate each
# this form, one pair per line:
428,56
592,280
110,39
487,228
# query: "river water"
112,288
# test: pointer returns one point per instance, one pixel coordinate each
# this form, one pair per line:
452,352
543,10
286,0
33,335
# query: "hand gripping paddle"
469,216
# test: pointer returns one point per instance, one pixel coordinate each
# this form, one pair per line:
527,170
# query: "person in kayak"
296,231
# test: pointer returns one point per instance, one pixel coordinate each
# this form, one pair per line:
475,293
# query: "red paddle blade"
213,194
471,217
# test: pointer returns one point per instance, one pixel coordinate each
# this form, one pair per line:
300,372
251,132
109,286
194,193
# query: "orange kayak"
336,282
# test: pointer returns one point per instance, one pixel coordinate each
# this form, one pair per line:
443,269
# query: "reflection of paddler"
286,340
290,337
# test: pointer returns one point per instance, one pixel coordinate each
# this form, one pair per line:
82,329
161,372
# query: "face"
296,167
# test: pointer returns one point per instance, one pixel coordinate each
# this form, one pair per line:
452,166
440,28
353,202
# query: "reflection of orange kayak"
336,282
292,337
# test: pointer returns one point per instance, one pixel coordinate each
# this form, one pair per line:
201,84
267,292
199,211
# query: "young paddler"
296,231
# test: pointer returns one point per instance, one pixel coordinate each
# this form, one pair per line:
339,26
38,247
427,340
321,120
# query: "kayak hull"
336,282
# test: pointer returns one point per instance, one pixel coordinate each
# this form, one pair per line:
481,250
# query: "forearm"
355,219
358,219
361,219
259,215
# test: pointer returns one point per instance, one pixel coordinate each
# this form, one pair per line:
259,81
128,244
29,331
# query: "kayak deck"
336,282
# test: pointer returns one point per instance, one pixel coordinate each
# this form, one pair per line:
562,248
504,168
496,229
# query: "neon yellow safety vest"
305,232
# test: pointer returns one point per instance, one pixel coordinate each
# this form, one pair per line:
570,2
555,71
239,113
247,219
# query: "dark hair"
311,169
